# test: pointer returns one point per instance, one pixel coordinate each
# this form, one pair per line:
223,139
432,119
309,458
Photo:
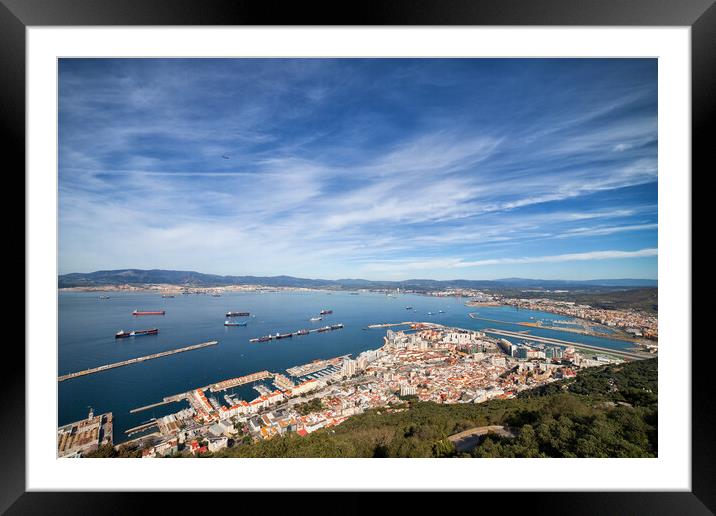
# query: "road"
577,345
468,439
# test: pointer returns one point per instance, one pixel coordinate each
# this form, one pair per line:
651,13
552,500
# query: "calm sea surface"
87,326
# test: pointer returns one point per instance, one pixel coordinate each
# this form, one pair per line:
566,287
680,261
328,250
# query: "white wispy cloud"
141,162
459,263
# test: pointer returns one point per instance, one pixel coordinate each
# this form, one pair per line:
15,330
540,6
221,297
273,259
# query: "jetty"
142,427
389,325
136,360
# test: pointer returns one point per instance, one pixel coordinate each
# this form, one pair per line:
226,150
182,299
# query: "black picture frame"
700,15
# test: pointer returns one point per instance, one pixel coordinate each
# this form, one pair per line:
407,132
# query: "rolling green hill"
197,279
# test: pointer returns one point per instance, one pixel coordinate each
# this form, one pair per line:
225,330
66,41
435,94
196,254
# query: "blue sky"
370,168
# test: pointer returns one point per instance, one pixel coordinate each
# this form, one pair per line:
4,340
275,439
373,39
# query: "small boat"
408,307
104,297
314,319
237,314
167,296
441,311
430,313
325,312
231,323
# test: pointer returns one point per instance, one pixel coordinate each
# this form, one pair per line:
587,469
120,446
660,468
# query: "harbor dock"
168,399
141,428
389,325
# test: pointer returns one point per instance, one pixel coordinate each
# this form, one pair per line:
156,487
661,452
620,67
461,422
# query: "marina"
312,367
242,380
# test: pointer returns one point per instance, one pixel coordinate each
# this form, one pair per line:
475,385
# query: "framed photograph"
426,248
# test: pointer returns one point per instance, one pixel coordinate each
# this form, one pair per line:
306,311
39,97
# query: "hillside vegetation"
642,299
605,412
197,279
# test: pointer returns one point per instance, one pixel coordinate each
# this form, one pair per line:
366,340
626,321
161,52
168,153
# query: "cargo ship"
325,312
135,333
314,319
237,314
284,335
166,296
325,328
148,312
336,326
104,297
302,332
231,323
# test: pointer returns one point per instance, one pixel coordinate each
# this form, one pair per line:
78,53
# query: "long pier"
93,370
389,325
576,345
167,399
141,428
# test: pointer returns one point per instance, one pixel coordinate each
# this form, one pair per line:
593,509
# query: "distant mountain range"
198,279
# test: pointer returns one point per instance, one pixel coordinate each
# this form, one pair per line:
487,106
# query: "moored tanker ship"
148,312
